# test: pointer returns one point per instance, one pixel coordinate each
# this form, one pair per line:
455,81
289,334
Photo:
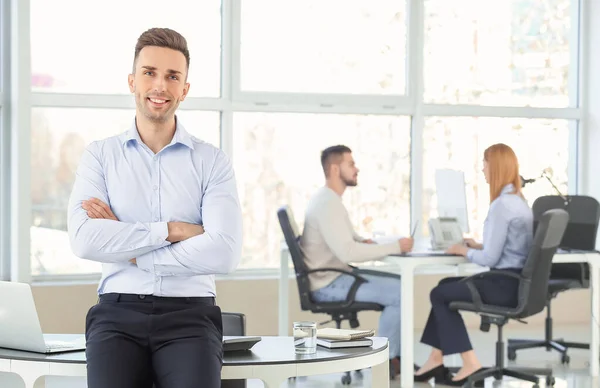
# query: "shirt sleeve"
495,232
106,241
218,249
341,240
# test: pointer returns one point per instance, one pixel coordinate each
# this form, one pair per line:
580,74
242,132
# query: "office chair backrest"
584,216
292,238
533,289
234,323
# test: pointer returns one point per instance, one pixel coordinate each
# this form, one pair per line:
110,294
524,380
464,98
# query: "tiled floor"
574,375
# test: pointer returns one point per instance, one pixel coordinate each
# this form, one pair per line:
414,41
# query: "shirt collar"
181,135
508,189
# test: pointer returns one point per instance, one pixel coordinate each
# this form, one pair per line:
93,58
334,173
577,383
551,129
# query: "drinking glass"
305,337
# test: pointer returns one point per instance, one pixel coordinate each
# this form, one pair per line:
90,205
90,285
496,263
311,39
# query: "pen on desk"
412,235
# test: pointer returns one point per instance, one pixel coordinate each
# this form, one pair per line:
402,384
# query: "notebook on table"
337,344
343,334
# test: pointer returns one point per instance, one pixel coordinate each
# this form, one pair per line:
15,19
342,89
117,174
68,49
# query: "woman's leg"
431,337
452,333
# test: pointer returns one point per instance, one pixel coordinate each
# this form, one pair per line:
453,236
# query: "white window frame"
233,99
4,141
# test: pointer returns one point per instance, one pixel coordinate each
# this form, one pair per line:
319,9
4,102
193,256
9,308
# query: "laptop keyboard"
59,345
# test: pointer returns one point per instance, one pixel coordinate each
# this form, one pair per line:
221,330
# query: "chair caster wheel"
550,381
535,386
512,355
565,359
346,380
358,374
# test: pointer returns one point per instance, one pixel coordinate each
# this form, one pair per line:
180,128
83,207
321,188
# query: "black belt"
116,297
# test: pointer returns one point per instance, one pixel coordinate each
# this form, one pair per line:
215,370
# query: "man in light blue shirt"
159,208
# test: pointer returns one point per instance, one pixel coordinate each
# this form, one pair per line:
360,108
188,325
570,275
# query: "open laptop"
20,326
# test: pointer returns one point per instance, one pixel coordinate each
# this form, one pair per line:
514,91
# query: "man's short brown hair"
162,37
333,155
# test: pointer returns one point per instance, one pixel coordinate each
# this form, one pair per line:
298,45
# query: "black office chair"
533,286
339,311
233,324
584,215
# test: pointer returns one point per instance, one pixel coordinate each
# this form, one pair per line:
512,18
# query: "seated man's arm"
218,249
105,240
341,240
359,238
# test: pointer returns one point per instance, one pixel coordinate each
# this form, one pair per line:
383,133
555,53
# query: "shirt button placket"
155,189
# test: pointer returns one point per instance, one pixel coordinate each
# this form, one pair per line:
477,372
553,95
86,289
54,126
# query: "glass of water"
305,337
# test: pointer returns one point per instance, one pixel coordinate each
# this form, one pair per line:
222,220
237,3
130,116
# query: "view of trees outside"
59,137
503,53
278,162
481,52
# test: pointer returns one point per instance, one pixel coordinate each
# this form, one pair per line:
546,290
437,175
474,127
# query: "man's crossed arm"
163,248
177,231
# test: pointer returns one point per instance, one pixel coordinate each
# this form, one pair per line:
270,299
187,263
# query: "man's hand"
458,249
95,208
179,231
406,244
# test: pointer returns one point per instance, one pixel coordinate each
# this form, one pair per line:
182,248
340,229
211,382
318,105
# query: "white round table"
272,360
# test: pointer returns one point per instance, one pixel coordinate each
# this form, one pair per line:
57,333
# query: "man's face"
348,170
159,82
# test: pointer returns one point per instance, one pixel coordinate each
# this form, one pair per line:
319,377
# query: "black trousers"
445,329
135,341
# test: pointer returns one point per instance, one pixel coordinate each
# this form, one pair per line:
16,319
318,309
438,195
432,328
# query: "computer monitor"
452,197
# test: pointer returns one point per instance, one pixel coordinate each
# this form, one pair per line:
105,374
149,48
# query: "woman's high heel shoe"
438,373
461,382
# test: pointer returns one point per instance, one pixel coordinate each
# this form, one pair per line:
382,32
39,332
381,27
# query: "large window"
92,52
58,138
458,143
334,46
504,53
410,86
278,163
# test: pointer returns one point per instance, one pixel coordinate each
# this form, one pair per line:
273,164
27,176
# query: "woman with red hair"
507,238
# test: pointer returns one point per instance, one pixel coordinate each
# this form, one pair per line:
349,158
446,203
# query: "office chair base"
559,345
527,374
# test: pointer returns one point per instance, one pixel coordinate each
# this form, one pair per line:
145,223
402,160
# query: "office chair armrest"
585,274
495,272
475,295
473,290
383,274
334,270
358,280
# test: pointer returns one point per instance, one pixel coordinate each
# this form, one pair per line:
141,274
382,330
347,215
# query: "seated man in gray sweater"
329,241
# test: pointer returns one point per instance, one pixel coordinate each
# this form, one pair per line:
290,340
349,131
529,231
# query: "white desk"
407,265
272,360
